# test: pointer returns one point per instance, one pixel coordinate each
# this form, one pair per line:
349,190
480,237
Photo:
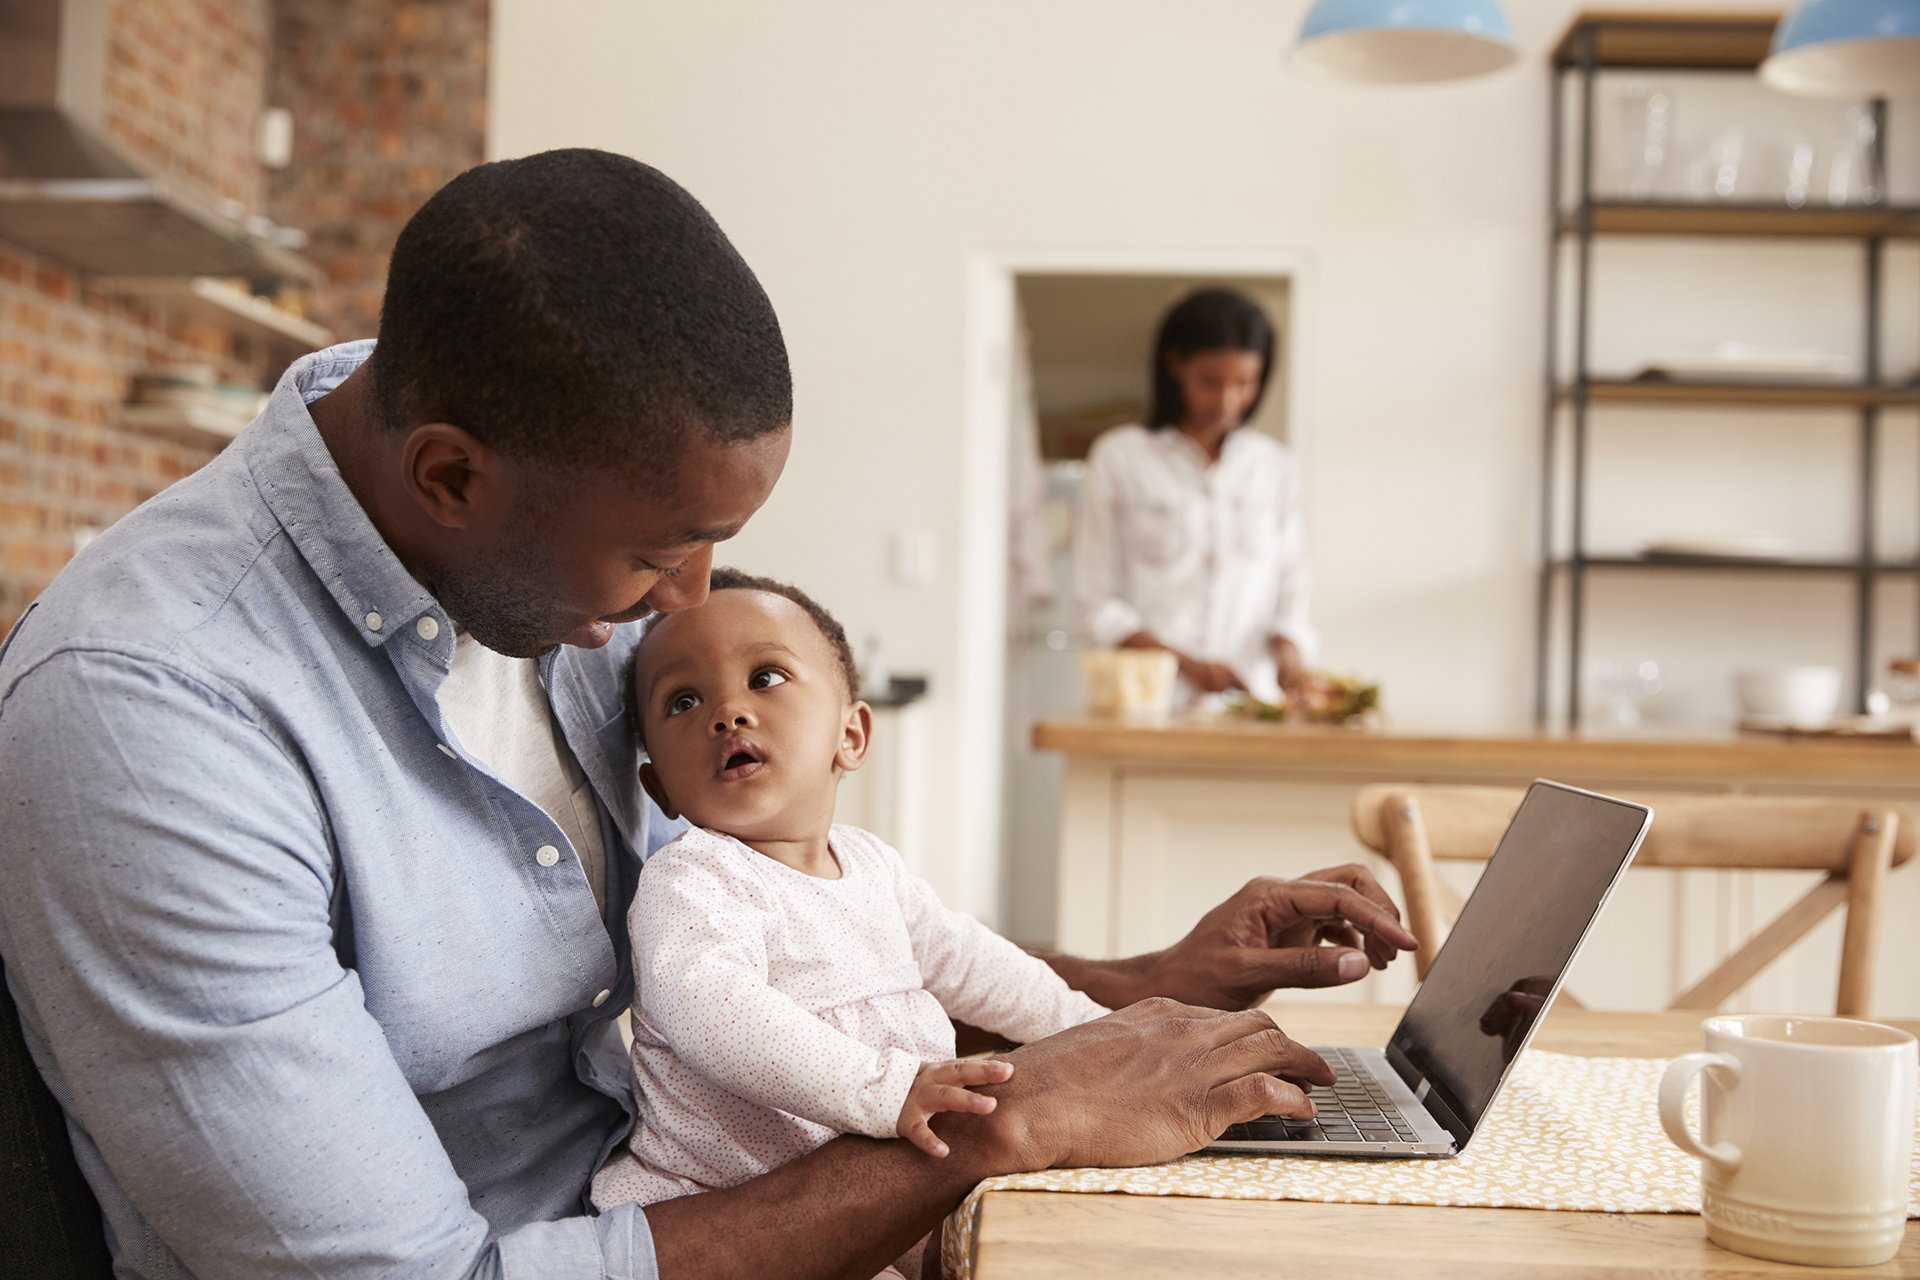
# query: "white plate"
1744,360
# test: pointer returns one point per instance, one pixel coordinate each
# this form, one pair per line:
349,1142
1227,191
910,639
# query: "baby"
792,981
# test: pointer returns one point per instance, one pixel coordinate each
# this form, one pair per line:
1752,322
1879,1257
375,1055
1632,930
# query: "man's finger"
1249,1098
1327,899
1273,1052
1307,966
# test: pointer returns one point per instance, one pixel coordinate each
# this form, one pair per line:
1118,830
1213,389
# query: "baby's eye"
682,702
766,679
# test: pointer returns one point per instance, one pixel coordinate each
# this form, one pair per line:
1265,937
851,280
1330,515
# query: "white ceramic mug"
1806,1135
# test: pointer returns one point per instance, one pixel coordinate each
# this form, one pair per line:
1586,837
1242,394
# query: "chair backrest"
1855,843
49,1221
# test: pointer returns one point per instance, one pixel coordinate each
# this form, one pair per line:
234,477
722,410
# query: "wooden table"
1026,1235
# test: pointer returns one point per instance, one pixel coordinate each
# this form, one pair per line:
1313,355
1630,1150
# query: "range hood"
68,192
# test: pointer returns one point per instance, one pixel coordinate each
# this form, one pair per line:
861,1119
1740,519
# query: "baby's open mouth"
740,759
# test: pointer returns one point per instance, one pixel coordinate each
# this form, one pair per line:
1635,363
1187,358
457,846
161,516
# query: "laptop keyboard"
1354,1110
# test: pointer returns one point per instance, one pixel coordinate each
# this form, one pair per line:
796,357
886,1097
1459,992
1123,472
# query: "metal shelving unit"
1734,44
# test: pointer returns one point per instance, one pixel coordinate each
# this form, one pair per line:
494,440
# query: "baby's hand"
943,1086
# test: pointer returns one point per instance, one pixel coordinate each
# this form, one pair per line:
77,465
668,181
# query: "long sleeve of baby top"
774,1010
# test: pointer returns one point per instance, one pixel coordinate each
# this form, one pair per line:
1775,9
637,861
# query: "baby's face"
747,717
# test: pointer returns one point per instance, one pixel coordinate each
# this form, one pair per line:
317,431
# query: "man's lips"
739,759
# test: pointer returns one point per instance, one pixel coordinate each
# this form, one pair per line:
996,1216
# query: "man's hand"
1147,1084
1322,930
946,1086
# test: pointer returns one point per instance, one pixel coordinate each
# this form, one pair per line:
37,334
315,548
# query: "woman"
1189,532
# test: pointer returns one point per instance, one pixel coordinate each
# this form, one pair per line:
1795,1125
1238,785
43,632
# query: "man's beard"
507,606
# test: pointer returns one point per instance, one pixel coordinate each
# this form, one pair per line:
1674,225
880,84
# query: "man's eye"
682,702
765,679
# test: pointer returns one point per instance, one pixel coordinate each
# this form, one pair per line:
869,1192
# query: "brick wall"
389,102
185,83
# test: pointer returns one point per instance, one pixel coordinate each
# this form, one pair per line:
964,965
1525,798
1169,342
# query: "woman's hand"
1207,677
1289,669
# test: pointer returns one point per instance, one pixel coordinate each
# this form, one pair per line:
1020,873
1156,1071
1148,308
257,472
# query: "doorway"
1080,364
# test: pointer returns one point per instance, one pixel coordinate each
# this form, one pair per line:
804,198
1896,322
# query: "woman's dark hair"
580,311
1217,319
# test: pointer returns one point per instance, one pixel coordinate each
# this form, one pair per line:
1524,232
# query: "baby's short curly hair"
726,579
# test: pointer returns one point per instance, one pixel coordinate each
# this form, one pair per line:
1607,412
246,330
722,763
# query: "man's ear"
856,735
650,780
457,481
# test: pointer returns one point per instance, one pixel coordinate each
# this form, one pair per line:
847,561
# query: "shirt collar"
303,488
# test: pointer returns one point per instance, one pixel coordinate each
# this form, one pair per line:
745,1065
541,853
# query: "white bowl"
1802,696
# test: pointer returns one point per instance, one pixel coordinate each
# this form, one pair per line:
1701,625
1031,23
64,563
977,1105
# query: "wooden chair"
1856,844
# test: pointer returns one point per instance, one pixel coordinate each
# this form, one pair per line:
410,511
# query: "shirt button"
427,627
601,999
373,622
546,855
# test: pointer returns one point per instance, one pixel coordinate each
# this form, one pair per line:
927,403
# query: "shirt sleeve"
700,965
167,933
1100,608
1290,569
978,976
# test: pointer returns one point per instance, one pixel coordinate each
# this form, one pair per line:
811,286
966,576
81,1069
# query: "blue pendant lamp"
1405,41
1847,49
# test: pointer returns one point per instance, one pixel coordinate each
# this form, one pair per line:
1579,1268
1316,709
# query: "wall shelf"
1682,218
1783,395
210,299
1734,43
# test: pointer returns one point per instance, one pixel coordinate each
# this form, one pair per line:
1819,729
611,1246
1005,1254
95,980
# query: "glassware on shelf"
1643,146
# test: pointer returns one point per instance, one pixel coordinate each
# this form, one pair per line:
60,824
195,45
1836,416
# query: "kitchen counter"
1159,822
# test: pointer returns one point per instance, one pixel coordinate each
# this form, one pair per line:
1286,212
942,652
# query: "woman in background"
1189,531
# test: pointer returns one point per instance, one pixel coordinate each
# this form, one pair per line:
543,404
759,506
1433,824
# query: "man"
322,810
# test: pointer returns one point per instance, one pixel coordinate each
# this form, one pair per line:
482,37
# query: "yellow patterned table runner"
1566,1133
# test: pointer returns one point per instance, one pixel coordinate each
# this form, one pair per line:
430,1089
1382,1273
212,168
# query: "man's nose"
685,589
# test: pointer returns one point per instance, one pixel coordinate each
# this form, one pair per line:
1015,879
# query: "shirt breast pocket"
1156,533
1252,530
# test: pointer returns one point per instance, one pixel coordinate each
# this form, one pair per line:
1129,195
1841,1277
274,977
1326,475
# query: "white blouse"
1207,559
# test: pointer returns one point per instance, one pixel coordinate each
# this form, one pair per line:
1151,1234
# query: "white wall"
862,153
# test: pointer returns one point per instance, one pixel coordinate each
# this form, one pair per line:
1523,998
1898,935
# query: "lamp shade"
1847,49
1405,41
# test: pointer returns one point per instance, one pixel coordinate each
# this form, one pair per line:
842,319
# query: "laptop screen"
1514,940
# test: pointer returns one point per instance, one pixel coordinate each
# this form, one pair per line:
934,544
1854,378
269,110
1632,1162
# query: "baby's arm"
979,977
700,965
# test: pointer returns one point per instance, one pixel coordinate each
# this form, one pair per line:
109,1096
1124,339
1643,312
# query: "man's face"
748,718
605,551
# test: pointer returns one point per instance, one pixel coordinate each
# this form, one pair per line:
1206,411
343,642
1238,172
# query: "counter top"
1234,744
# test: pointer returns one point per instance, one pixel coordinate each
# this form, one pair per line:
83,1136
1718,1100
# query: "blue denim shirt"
283,948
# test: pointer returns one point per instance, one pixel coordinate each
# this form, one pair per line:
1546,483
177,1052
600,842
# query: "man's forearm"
1114,983
845,1210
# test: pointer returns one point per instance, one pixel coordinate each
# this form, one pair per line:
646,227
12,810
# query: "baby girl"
792,980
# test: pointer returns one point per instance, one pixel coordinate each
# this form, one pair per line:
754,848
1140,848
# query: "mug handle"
1673,1101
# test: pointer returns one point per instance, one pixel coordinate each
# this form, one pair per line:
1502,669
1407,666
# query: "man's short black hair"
725,579
578,310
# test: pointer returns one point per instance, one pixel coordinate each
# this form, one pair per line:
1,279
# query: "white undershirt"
499,712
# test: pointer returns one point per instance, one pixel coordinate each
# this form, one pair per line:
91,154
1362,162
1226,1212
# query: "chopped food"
1323,698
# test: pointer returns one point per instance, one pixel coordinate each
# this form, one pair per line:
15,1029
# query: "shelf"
1737,564
1733,41
216,300
192,423
1784,395
1687,218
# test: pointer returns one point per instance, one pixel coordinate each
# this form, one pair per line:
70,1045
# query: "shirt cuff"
1113,622
617,1245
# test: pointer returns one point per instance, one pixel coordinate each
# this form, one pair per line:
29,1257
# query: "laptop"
1497,974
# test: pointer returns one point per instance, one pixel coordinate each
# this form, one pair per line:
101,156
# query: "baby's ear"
856,735
650,781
